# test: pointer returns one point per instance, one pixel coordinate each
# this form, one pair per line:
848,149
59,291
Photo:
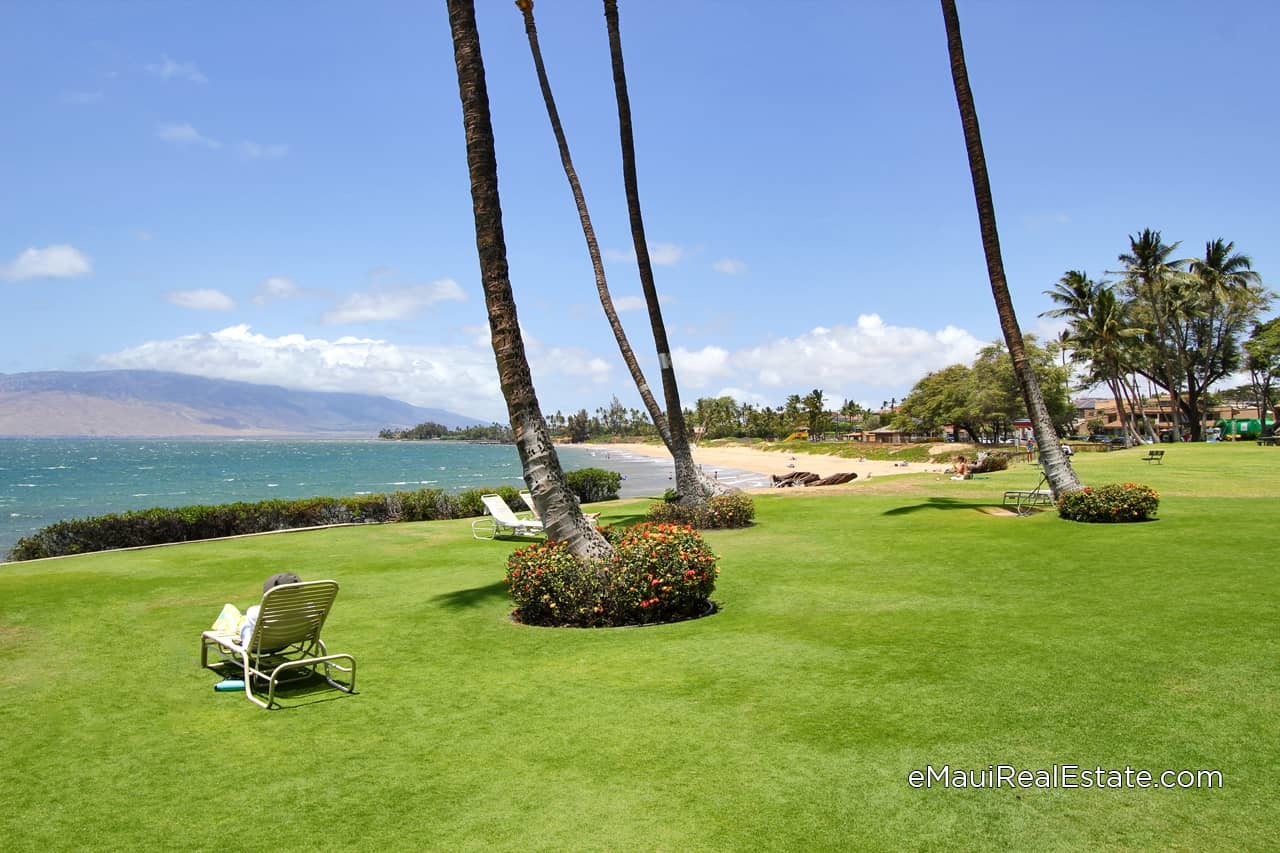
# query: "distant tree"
1263,362
556,504
1057,466
579,427
815,412
944,397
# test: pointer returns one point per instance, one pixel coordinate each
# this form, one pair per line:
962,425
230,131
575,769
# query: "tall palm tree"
1154,280
694,487
1057,466
557,505
1223,270
588,231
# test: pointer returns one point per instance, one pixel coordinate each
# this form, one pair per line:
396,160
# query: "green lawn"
861,636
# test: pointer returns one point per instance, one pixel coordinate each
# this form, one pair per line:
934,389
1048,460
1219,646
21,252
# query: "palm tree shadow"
935,504
473,597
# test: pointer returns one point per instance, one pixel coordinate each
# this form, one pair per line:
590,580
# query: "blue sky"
277,192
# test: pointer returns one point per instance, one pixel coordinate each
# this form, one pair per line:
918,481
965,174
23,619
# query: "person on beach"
961,469
230,619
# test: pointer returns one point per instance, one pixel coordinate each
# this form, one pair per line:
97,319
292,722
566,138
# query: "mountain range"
148,403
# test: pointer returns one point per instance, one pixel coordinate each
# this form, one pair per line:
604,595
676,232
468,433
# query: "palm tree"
557,505
1224,298
588,231
1158,288
1057,466
694,487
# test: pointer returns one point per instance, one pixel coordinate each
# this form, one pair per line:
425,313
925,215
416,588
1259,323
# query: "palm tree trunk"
694,487
593,247
1057,466
562,517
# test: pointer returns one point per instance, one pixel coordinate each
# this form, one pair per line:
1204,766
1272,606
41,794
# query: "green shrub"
594,484
1114,502
658,573
988,462
720,512
160,526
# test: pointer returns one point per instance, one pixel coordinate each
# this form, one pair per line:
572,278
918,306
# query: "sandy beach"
780,463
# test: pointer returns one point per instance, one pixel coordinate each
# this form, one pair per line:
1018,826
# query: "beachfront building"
1098,416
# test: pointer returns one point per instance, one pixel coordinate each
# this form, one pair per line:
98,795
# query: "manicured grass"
862,635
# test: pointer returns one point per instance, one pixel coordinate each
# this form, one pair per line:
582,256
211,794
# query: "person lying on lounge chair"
231,620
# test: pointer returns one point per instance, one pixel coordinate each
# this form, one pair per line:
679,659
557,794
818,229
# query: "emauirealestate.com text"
1064,776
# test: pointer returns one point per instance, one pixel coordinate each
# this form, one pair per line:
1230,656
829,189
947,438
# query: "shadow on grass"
934,503
473,597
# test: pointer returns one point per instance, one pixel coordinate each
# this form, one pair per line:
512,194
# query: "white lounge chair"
500,519
285,641
528,501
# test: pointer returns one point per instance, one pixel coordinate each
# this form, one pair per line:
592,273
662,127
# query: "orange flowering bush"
1114,502
721,511
659,573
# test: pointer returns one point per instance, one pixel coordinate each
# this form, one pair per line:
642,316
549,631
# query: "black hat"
280,579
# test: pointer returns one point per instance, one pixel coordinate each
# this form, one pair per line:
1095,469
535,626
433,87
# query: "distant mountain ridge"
151,403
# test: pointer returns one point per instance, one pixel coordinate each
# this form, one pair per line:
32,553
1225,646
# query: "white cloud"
867,353
201,300
730,266
258,151
394,303
60,261
699,367
458,378
275,288
167,69
629,303
185,134
660,254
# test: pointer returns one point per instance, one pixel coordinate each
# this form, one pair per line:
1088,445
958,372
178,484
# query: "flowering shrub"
659,573
1114,502
721,511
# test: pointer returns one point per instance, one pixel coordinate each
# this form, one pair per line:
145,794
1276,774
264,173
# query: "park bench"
1024,500
1156,456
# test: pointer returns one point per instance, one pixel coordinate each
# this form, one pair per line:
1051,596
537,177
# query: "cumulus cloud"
394,303
60,261
259,151
870,352
275,288
167,69
201,300
459,378
699,367
185,134
660,254
729,266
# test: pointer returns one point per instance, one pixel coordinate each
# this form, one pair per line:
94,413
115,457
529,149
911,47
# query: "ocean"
48,480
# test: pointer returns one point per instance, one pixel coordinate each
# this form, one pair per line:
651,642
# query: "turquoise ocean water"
47,480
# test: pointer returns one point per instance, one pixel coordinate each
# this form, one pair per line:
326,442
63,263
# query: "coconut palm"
1155,282
694,487
562,517
1057,467
588,231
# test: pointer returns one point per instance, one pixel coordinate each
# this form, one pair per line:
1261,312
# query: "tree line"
1178,323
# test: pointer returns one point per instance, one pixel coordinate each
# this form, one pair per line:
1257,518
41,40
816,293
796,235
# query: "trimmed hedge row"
160,526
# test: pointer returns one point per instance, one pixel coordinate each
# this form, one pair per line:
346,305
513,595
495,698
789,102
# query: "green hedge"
720,512
160,526
594,484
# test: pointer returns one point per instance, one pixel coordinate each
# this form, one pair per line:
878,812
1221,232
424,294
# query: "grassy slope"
862,636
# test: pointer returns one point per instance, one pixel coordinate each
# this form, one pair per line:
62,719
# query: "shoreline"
768,463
